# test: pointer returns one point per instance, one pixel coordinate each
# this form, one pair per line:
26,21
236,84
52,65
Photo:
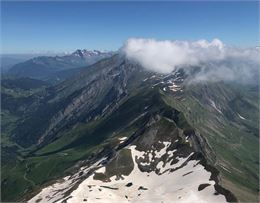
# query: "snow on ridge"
173,87
170,182
150,187
56,191
180,186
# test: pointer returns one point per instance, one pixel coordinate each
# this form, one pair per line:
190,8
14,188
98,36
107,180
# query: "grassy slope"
50,162
232,139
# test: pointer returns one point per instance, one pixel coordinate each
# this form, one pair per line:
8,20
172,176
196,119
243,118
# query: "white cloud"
217,60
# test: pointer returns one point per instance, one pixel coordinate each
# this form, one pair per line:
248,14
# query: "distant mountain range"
9,60
52,67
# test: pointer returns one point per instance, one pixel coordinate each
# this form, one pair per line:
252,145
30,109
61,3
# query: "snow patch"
241,116
212,103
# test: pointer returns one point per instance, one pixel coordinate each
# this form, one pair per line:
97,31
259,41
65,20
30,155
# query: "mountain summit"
88,53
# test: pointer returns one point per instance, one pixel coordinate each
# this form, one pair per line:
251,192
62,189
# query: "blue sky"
65,26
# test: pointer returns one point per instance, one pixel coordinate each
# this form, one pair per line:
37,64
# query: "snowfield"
188,183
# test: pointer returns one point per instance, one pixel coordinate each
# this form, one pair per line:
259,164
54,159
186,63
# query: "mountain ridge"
113,99
46,67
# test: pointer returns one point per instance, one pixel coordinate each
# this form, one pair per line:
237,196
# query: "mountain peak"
86,53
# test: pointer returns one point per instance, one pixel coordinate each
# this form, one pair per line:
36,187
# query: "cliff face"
83,98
